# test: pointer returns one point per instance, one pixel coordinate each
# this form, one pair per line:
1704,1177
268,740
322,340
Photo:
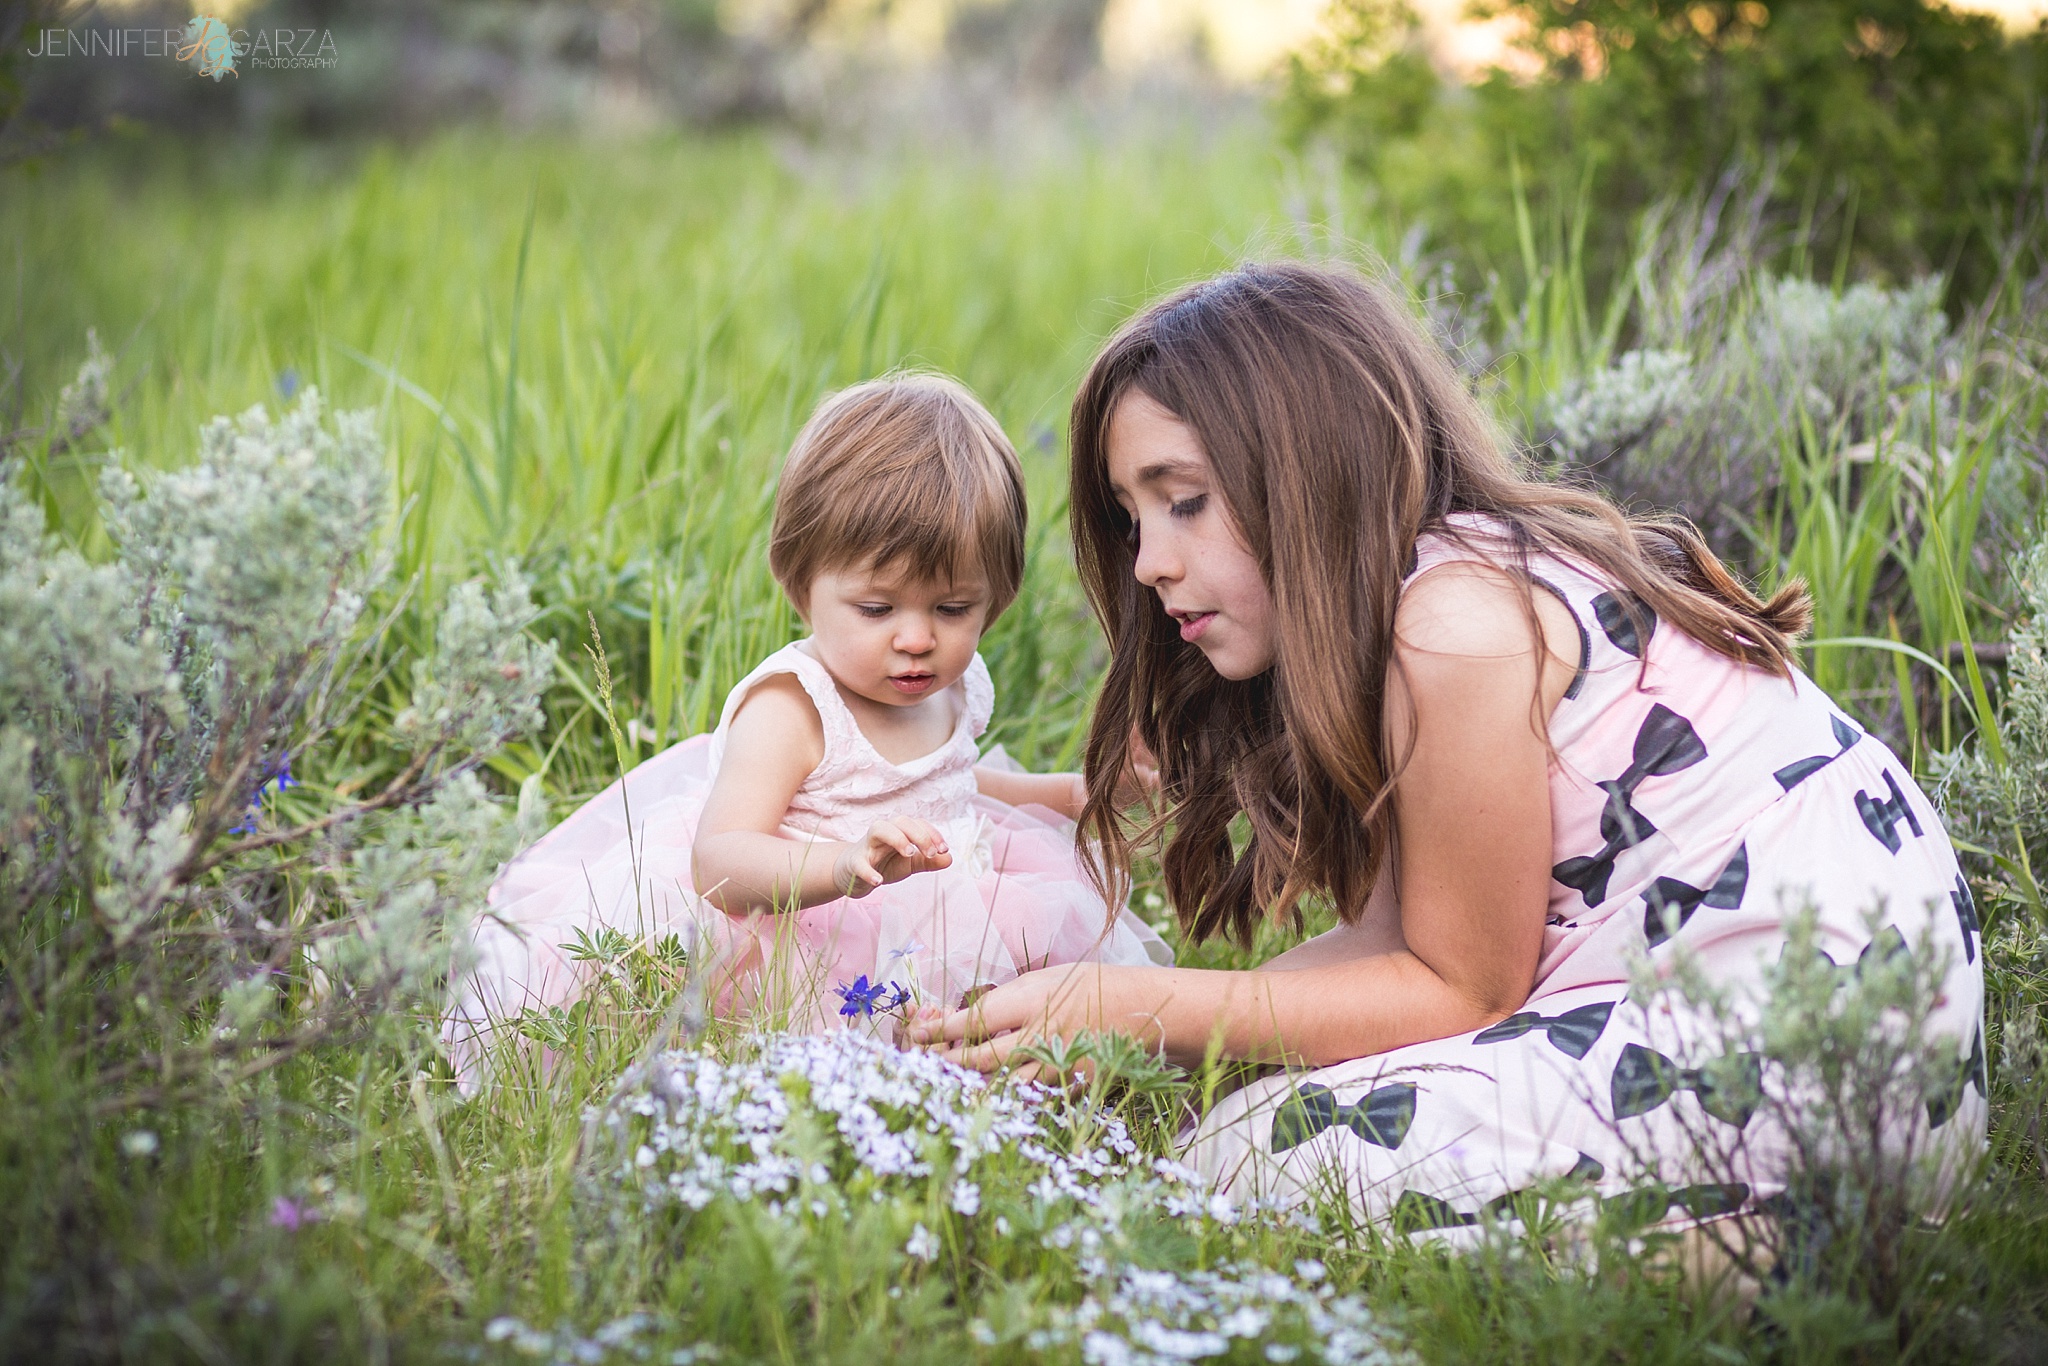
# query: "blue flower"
863,997
288,382
860,997
282,776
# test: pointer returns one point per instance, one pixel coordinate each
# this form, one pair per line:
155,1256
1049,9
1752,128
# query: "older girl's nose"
1155,564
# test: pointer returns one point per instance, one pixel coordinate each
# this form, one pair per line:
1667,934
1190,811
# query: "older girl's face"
1188,549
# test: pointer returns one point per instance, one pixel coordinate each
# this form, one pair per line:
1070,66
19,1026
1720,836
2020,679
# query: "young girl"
1519,741
834,850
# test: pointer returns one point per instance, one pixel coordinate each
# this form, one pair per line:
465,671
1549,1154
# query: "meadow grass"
590,358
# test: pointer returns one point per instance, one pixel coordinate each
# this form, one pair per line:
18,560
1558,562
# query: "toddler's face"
893,639
1188,551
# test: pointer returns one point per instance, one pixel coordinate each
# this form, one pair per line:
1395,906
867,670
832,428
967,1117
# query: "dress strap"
981,695
841,730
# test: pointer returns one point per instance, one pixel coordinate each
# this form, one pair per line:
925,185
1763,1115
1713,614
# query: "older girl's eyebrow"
1163,469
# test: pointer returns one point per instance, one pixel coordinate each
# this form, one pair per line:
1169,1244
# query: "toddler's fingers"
927,836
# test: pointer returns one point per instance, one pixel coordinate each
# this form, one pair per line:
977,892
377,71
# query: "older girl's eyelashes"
1189,507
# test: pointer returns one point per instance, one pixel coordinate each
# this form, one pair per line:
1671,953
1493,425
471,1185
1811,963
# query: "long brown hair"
1338,433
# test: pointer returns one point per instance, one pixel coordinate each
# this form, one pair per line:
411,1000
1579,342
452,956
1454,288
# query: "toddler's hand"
891,851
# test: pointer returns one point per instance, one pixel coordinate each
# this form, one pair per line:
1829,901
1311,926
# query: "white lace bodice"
853,786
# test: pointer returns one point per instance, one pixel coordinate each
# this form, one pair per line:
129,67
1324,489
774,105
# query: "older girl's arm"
1473,814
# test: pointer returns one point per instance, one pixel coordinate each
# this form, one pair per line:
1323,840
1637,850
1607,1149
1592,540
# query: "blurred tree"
1918,122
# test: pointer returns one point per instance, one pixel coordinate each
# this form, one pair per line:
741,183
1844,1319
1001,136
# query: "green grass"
590,357
593,357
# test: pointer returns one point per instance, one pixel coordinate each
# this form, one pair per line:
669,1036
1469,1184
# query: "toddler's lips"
911,684
1194,623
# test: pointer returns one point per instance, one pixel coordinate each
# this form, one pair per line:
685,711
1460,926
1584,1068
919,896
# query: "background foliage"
581,360
1901,133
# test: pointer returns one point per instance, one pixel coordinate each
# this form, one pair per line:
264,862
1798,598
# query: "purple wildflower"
290,1215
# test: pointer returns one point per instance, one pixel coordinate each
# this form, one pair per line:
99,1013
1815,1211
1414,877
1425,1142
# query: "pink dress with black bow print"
1695,802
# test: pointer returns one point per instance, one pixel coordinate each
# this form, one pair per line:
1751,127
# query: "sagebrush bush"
170,887
1995,790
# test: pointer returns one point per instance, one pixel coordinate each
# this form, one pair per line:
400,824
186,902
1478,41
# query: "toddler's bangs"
910,475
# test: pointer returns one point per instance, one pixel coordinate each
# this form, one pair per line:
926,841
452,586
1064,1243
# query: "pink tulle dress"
1015,897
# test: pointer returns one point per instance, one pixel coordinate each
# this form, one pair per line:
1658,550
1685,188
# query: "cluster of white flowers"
808,1123
621,1339
1240,1313
807,1128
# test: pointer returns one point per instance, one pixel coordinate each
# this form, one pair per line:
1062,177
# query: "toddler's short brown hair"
908,469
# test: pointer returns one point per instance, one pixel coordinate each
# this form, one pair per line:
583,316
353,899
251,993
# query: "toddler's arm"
1065,793
743,864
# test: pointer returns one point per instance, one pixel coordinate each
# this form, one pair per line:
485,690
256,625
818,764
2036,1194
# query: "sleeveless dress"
1014,898
1694,803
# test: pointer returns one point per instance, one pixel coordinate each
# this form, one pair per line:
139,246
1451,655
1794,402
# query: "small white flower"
923,1244
966,1198
1309,1270
139,1143
644,1158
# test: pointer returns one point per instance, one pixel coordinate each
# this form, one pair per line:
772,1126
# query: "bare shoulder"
1464,608
777,724
1467,612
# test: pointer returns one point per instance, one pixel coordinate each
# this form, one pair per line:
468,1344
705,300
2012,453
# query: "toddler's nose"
914,638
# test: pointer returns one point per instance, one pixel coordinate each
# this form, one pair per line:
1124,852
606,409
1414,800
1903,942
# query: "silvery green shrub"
170,848
1844,1089
2002,809
1616,408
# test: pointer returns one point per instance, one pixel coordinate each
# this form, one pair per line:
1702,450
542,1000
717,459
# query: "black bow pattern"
1670,903
1652,1203
1966,916
1882,818
1381,1118
1620,627
1887,945
1417,1210
1943,1104
1665,744
1793,774
1645,1079
1573,1033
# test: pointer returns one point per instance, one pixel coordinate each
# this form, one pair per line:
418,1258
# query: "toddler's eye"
873,609
1188,507
955,609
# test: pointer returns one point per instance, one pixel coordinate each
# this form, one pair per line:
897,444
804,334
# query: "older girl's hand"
1061,1001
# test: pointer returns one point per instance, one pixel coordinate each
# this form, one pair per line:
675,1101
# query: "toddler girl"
834,848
